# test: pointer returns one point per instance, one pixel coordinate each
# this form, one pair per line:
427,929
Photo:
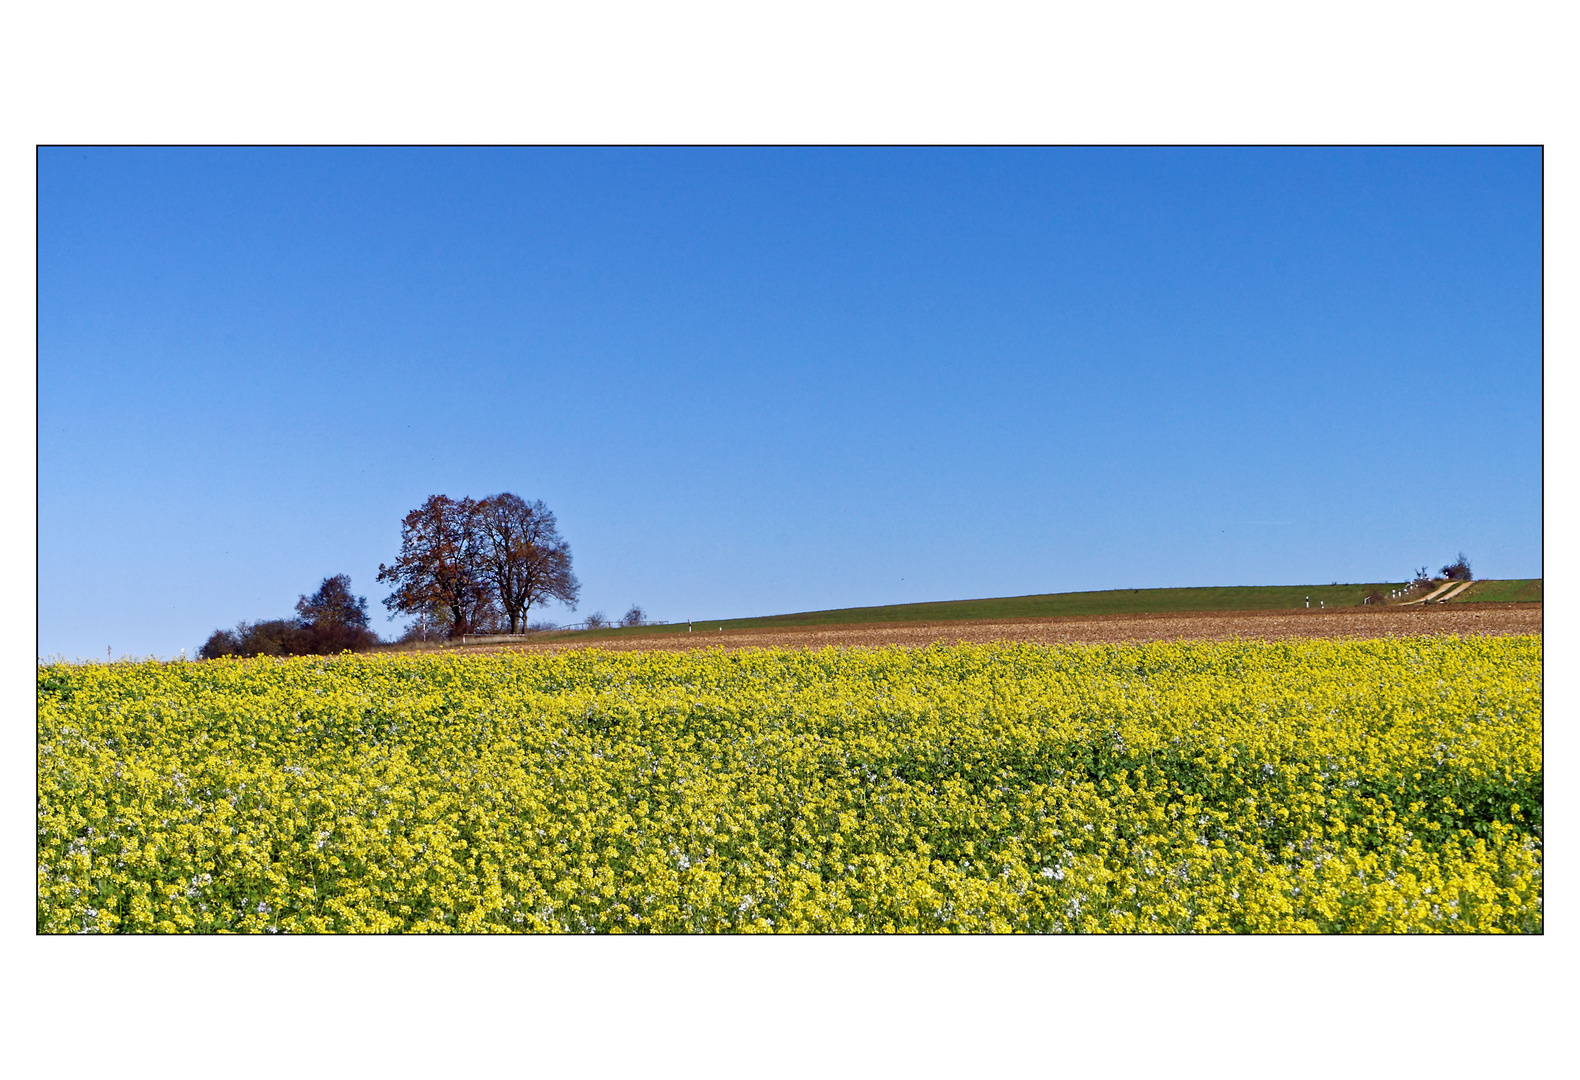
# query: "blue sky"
759,381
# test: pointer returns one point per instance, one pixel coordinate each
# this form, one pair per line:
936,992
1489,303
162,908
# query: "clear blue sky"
759,381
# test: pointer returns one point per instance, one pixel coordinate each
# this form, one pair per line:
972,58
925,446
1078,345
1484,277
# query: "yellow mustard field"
1244,787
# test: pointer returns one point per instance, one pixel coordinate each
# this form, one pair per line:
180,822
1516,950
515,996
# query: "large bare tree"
439,572
522,555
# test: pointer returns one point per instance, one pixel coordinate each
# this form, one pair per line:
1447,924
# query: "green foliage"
1304,786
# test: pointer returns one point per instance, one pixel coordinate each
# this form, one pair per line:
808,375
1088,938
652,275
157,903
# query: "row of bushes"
331,620
286,637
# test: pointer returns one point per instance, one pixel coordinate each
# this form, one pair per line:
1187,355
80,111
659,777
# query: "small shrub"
220,643
322,640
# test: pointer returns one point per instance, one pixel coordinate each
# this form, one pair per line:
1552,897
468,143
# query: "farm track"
1342,623
1442,592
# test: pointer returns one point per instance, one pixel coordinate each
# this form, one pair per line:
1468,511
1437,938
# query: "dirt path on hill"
1462,619
1442,592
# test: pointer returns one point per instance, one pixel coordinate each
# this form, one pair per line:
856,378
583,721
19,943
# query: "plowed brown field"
1461,619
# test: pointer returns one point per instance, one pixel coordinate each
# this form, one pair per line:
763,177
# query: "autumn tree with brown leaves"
476,565
522,556
438,575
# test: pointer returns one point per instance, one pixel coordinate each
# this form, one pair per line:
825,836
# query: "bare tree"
635,617
1459,570
438,574
521,555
